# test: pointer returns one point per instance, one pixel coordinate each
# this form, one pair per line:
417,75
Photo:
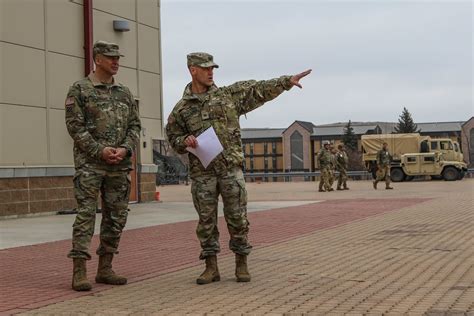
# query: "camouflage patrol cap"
201,60
326,142
106,49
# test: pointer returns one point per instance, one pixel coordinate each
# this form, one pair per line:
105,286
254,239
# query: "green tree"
406,123
349,138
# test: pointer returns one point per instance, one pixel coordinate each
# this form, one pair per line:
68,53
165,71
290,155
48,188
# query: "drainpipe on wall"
88,37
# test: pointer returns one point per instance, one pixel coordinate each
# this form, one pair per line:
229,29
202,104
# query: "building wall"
467,143
41,55
257,151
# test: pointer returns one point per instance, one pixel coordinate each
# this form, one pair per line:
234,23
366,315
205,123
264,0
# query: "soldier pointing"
204,105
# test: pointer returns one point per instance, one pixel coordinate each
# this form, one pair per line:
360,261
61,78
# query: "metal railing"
355,175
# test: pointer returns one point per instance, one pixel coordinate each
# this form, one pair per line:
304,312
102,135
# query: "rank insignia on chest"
205,115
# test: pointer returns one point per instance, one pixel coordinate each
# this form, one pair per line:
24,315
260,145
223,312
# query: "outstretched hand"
295,79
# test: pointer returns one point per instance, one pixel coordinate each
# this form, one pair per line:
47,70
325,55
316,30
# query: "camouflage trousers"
114,188
206,188
383,174
332,177
325,179
342,178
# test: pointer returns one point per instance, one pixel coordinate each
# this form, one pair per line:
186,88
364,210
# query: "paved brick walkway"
390,256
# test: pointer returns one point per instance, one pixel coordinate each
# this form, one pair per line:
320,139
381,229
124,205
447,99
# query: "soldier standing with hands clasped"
102,119
383,167
204,105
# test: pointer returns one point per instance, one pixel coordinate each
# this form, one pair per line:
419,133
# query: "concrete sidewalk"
357,252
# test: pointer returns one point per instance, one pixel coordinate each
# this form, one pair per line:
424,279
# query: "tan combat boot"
241,270
211,274
79,276
388,187
375,184
105,274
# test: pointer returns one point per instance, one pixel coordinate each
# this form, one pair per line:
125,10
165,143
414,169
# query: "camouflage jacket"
98,116
342,160
324,158
383,158
221,109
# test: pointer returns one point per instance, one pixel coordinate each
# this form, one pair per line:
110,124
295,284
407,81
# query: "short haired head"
203,60
106,49
326,142
340,146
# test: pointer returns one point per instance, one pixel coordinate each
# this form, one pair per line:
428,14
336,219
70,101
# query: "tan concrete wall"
41,50
20,147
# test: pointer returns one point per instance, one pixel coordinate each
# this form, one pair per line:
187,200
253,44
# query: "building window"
251,164
274,147
471,139
265,148
244,149
471,146
265,164
296,150
251,149
274,163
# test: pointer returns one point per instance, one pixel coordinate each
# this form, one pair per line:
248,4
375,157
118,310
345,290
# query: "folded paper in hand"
208,147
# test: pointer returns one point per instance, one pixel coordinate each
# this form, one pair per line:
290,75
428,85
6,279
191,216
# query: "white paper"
208,147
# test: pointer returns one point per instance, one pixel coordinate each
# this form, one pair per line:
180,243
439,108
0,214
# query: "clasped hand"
113,156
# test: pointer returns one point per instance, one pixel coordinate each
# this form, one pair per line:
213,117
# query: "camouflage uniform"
383,167
97,116
332,168
341,165
324,163
221,109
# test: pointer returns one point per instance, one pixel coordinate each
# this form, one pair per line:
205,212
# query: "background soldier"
383,167
102,119
332,169
204,105
324,161
342,161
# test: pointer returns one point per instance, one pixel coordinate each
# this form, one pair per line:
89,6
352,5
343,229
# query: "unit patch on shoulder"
69,104
69,101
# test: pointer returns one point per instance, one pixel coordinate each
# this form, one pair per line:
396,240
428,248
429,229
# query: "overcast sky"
369,58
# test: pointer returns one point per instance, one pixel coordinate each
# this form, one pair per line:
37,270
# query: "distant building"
294,148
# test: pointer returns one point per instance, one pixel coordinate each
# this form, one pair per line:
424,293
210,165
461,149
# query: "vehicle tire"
461,175
397,175
409,178
450,174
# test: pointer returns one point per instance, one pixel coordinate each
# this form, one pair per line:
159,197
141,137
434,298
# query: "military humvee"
426,164
446,149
